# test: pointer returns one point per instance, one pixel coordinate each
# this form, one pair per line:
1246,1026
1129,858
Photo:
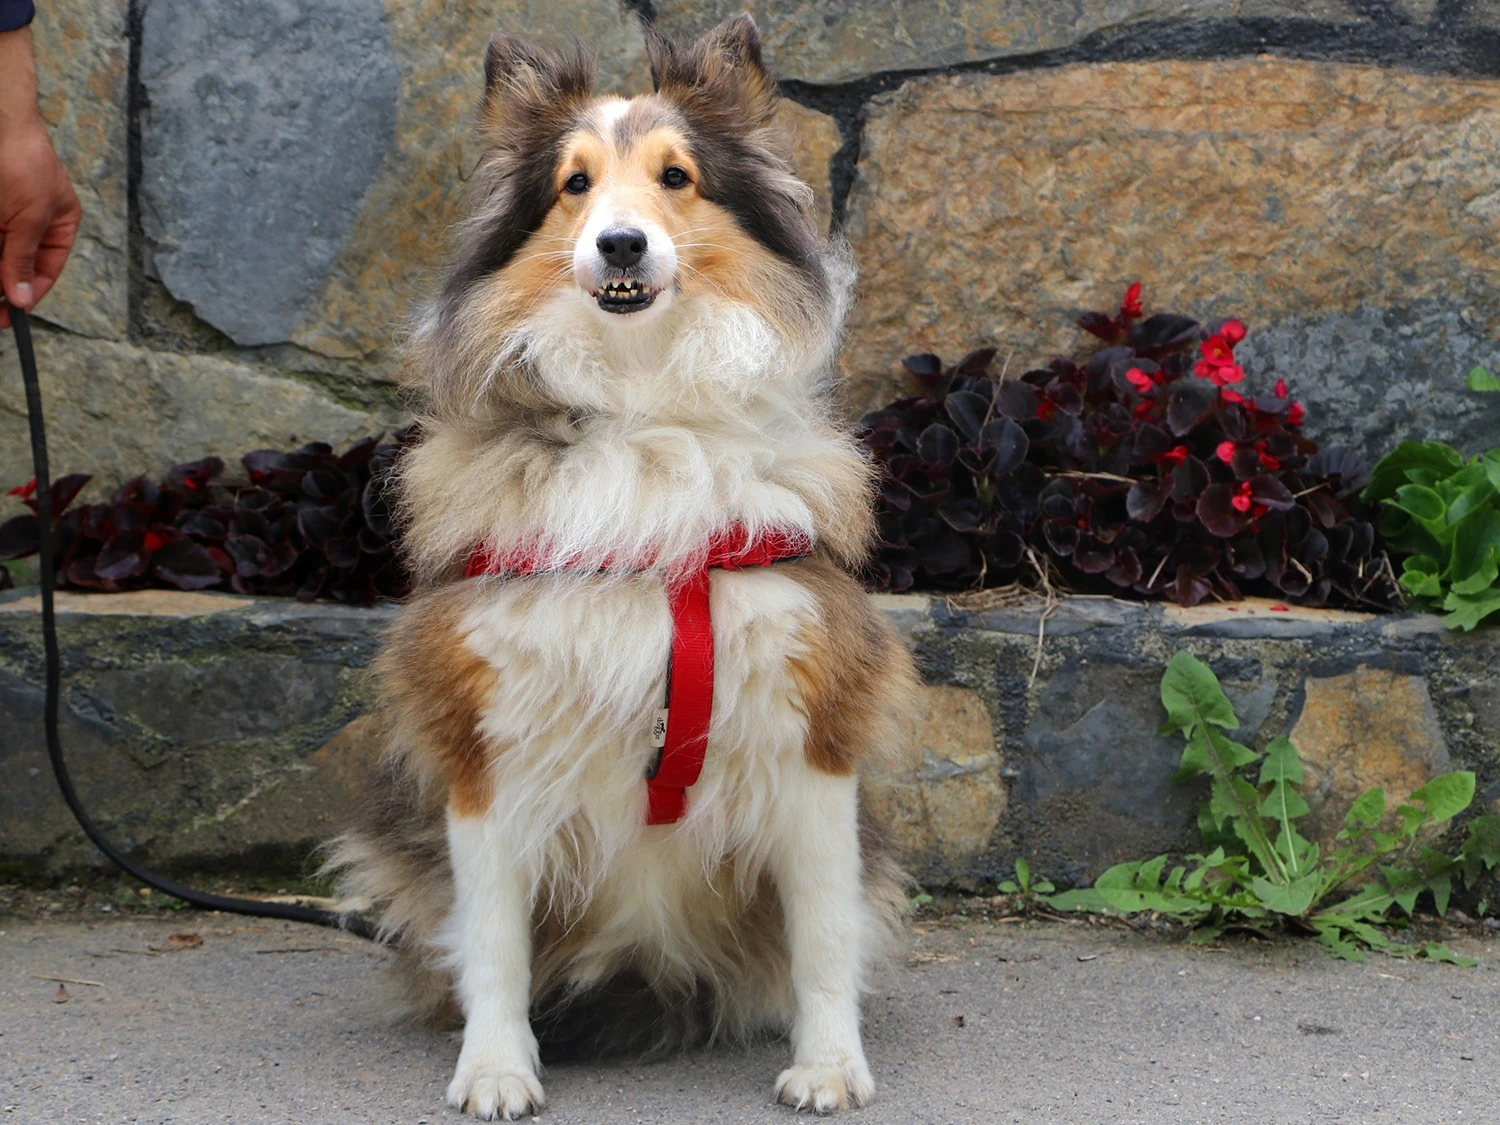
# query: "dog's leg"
490,935
816,865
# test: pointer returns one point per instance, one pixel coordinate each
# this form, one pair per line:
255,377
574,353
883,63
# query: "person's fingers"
52,252
18,257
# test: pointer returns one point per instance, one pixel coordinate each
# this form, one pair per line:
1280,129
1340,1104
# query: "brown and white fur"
505,844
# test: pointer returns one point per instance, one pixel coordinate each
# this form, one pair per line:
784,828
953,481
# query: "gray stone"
1374,377
117,411
1097,780
401,233
302,162
831,41
266,122
33,817
196,705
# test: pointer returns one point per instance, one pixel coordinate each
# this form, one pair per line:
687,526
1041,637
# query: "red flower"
1294,414
1140,380
153,542
1130,307
1145,408
1230,396
1046,409
1222,374
24,491
1241,501
1278,608
1225,452
1280,388
1217,351
1218,362
1173,457
1233,331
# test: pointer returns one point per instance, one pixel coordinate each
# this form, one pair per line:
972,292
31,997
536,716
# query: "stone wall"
206,730
266,187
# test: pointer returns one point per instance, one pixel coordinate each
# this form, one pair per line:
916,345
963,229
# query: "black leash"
361,927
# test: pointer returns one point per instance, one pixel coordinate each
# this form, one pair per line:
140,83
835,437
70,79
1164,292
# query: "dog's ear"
522,81
724,64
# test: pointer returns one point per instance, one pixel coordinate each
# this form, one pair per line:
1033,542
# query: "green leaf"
1281,763
1366,811
1476,547
1043,886
1420,583
1437,951
1008,888
1403,886
1392,470
1481,378
1292,899
1192,696
1466,612
1023,873
1424,505
1445,796
1481,850
1084,899
1332,938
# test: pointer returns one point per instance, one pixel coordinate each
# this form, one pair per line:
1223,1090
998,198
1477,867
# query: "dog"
627,384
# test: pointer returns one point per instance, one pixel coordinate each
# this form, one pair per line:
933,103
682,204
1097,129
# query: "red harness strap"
690,687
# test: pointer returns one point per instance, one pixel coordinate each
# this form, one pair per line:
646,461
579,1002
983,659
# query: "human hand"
39,210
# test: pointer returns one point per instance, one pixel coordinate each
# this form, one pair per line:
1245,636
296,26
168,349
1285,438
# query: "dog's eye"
577,184
674,177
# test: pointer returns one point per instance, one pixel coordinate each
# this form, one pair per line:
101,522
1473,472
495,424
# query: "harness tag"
659,729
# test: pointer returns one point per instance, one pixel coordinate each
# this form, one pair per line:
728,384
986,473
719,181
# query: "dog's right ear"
521,80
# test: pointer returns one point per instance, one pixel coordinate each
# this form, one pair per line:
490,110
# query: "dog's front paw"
826,1088
495,1091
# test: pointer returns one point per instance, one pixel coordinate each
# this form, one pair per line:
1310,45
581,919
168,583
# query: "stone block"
1097,784
1303,197
1361,729
814,139
943,803
116,410
196,729
82,59
833,41
302,162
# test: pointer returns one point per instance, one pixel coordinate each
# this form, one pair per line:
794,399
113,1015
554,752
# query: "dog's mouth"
625,295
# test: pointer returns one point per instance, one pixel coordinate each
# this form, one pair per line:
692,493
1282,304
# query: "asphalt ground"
243,1021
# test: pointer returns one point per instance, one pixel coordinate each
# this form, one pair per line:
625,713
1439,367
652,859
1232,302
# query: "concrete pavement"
265,1022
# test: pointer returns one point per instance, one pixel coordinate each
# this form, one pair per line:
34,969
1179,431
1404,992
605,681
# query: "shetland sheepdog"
631,355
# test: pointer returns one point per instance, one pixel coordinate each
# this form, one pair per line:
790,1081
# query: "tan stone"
830,41
399,237
814,139
1366,728
116,410
134,603
82,64
1259,186
947,798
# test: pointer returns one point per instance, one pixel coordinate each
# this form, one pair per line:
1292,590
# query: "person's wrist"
19,112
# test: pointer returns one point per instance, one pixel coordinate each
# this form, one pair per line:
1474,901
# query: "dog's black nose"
622,247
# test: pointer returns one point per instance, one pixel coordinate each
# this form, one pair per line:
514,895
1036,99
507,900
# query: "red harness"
682,728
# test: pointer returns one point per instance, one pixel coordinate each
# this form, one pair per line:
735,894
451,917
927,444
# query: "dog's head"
629,254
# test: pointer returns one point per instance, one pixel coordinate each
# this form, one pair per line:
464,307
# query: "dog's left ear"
724,64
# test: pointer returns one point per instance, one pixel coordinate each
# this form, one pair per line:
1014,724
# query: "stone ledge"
208,730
